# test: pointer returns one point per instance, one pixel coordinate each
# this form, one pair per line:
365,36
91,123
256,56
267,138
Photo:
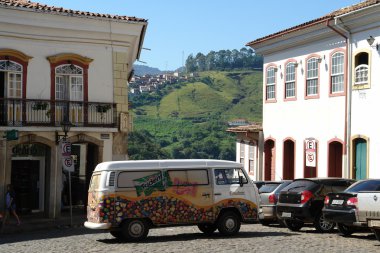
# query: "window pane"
188,177
270,86
337,74
312,87
143,179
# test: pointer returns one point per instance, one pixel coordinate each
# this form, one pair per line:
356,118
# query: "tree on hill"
224,60
142,146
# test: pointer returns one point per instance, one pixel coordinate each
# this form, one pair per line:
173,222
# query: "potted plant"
103,108
39,106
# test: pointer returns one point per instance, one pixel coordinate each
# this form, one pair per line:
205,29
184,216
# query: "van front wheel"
135,230
229,223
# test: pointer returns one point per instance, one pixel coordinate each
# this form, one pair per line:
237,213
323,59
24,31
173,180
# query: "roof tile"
52,9
319,20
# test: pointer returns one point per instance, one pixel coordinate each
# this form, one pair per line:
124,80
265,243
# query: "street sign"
11,135
68,164
67,160
310,153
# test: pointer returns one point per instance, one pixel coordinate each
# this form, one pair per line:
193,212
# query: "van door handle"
205,194
217,194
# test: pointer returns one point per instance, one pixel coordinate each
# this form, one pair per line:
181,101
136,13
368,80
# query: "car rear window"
300,185
371,185
268,187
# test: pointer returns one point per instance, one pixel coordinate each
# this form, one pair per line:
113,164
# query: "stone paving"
252,238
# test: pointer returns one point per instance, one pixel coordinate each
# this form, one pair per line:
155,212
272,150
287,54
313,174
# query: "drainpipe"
348,97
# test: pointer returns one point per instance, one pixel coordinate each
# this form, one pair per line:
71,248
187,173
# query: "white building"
62,67
320,89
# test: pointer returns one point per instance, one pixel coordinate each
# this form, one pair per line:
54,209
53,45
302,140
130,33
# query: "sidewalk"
34,222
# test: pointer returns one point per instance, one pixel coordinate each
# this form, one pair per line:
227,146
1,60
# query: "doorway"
360,159
288,160
335,159
85,157
27,178
269,152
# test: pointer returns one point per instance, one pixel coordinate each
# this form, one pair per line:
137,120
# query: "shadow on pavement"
45,234
197,236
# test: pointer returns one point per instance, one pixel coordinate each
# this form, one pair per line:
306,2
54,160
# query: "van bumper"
93,225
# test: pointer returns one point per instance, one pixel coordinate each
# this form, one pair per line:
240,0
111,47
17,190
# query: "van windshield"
95,180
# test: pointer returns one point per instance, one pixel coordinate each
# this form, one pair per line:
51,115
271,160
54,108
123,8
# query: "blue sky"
178,28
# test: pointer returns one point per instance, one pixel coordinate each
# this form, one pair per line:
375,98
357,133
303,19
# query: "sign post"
68,165
310,154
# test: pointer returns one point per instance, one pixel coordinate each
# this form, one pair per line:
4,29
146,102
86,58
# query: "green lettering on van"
151,183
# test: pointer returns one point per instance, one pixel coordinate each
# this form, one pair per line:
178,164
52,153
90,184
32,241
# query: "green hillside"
235,94
189,120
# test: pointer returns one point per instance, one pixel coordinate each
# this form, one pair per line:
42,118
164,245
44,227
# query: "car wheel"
322,225
345,230
265,222
377,233
135,230
293,225
117,234
229,223
207,228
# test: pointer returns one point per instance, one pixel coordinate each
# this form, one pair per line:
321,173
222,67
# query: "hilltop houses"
320,95
150,83
63,80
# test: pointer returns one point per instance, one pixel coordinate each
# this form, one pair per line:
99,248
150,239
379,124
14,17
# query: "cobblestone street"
252,238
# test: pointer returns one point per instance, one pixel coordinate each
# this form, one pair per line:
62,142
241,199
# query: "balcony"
33,112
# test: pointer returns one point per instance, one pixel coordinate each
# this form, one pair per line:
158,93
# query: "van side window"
131,179
229,176
188,177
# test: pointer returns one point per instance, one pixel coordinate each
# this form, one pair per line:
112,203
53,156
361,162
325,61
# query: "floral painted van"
130,197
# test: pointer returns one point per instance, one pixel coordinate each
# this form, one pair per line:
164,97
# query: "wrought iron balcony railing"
33,112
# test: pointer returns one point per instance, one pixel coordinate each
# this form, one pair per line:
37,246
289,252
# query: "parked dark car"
302,201
341,207
269,193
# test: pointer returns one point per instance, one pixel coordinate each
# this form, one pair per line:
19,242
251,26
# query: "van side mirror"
241,182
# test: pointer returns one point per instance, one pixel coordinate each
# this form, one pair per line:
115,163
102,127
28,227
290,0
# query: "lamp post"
66,126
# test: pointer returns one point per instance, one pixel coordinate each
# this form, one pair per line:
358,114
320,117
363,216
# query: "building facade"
249,149
59,68
319,86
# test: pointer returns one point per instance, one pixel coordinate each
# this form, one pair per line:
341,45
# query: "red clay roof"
24,4
313,22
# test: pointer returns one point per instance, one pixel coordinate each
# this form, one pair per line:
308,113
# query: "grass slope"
230,94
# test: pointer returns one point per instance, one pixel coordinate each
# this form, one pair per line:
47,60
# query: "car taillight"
352,201
272,199
327,200
305,196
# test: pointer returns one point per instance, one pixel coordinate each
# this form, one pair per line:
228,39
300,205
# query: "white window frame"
361,74
337,73
290,80
312,70
270,91
69,73
251,155
242,152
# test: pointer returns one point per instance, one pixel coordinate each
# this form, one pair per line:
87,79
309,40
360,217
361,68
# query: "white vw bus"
130,197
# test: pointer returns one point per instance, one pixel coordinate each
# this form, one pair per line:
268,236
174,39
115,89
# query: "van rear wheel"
207,228
377,233
135,230
229,223
117,234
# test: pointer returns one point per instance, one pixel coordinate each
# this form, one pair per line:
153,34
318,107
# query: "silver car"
269,193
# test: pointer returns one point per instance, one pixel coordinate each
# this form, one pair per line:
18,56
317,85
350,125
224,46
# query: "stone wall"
120,92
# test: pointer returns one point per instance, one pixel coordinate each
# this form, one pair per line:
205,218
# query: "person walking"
11,204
